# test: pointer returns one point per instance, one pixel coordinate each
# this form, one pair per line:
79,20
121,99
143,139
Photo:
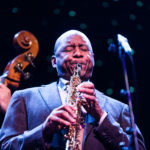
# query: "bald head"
63,38
71,48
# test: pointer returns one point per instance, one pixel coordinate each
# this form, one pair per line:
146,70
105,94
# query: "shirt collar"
62,83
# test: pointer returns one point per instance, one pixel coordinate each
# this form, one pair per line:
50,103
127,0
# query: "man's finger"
89,85
70,109
86,91
66,116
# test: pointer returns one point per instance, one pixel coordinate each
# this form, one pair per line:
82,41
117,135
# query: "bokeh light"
72,13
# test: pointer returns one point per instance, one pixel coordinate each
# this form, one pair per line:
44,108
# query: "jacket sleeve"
14,132
113,131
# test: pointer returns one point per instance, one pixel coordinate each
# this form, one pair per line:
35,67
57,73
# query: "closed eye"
69,48
84,48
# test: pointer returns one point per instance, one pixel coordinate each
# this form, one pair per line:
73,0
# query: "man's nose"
77,53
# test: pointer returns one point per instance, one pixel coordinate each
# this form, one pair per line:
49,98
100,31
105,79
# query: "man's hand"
5,96
60,117
90,102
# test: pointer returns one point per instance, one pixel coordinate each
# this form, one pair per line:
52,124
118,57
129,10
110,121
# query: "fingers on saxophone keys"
89,101
61,122
86,91
89,97
69,108
87,84
65,118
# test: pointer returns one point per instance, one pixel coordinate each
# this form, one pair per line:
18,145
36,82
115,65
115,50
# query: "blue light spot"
132,17
56,11
114,22
139,3
14,10
139,27
83,26
105,4
131,89
132,52
99,63
109,91
72,13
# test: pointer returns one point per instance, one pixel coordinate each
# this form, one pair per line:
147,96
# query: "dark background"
100,20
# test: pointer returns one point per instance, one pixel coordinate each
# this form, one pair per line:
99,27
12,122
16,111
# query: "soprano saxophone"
74,98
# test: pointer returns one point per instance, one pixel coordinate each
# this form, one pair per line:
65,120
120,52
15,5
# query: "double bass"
28,43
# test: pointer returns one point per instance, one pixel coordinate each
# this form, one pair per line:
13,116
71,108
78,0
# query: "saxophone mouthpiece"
78,68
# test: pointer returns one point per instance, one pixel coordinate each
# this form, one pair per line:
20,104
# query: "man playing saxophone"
37,118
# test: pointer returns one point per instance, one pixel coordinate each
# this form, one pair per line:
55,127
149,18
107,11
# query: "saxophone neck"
77,69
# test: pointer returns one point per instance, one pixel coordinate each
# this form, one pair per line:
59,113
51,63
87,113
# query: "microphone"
123,44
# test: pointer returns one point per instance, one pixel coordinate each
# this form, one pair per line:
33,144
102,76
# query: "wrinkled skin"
71,51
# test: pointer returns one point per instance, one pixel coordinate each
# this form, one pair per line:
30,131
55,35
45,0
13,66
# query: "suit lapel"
50,96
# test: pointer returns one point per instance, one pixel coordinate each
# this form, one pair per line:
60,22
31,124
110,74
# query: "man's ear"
53,60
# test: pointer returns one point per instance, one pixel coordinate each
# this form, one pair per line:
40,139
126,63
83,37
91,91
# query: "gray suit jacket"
28,109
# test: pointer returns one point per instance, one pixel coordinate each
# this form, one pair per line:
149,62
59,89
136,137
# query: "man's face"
72,50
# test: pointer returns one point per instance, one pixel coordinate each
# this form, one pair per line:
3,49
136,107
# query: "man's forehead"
74,39
70,37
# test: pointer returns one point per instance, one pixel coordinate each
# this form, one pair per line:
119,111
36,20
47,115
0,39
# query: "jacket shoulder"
35,89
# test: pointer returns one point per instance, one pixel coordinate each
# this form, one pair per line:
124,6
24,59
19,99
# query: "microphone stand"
122,55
